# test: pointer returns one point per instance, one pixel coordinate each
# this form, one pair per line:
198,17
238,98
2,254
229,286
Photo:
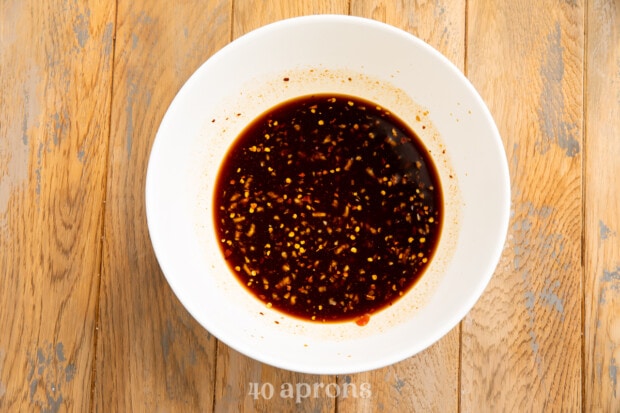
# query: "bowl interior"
317,54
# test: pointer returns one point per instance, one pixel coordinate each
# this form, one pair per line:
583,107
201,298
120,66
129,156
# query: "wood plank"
237,373
429,380
55,98
602,208
526,59
151,355
249,15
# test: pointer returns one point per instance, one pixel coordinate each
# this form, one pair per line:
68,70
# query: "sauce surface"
328,208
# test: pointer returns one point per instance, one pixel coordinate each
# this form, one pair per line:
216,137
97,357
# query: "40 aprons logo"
302,391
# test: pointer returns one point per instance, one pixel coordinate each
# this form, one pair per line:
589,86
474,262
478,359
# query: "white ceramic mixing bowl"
340,54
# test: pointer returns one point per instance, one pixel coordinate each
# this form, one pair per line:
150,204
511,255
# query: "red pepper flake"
286,79
362,320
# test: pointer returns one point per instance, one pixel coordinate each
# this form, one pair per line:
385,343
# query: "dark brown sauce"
328,208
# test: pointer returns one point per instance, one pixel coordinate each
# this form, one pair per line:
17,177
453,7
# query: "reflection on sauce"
328,208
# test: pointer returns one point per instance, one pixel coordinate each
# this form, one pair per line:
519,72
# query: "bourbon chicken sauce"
328,208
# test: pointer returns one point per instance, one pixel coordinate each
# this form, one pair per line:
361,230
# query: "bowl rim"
494,256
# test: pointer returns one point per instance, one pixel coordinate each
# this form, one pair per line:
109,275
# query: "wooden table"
87,320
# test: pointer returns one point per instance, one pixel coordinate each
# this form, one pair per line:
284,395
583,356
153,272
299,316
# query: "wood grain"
55,97
428,381
151,355
87,320
526,59
602,206
249,15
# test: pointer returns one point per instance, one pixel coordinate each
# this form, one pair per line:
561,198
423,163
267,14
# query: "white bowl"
340,54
